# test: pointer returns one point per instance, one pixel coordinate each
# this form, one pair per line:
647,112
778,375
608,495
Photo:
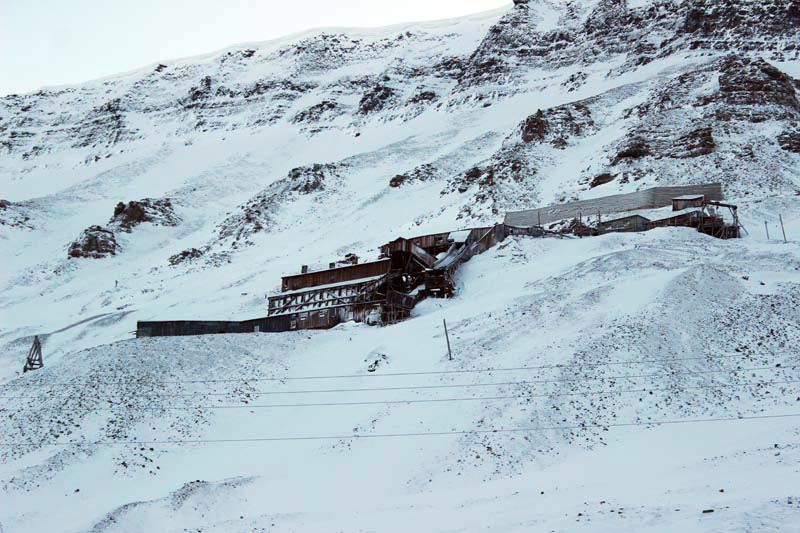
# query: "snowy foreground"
669,325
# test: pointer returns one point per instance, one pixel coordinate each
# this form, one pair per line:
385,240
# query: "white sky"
53,42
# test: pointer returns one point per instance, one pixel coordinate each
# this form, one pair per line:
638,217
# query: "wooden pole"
447,336
766,228
780,217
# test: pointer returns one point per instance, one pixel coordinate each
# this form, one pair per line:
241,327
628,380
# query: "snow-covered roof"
673,214
690,197
652,215
459,236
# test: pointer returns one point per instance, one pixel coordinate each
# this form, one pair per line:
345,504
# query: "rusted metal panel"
335,275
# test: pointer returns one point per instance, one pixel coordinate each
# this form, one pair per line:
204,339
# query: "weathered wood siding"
335,275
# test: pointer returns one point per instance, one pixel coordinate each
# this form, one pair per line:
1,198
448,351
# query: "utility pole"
766,228
780,217
447,336
34,360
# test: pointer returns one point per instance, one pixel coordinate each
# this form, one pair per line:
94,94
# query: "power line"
452,385
393,374
417,434
427,400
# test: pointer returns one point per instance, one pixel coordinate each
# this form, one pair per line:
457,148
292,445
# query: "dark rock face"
101,241
635,148
754,82
709,20
535,127
423,172
601,179
315,112
612,27
557,124
423,96
157,211
105,126
450,67
200,92
306,180
375,99
258,214
789,140
186,255
95,242
473,176
694,144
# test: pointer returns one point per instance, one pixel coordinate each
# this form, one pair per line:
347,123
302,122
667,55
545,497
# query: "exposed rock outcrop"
375,99
424,172
601,179
694,144
557,124
789,140
95,242
185,256
259,213
14,215
157,211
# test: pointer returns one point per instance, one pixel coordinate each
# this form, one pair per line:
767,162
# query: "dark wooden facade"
335,275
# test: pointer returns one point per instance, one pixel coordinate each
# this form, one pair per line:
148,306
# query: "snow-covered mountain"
186,189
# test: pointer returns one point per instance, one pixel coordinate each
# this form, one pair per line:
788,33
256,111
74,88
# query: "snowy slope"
674,333
258,159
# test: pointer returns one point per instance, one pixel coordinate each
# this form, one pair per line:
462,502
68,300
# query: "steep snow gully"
641,382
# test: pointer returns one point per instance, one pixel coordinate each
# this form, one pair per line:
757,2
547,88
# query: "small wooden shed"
629,223
686,201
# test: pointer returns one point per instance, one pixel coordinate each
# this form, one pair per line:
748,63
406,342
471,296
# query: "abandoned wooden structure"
653,198
377,292
34,360
386,290
689,211
333,275
629,223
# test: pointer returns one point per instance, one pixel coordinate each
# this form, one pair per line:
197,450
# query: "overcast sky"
53,42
